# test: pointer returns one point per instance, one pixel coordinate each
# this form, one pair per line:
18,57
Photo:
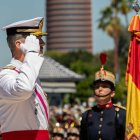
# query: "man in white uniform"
23,105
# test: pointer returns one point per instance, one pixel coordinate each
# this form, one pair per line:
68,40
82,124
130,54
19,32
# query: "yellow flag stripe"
133,109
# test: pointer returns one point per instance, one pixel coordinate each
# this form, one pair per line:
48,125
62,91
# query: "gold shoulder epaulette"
9,67
117,107
89,108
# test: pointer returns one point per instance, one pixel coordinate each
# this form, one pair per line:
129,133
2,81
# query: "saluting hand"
31,45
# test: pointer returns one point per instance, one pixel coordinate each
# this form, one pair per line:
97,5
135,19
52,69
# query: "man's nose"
100,87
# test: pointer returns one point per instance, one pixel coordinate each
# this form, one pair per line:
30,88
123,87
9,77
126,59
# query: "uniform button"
102,112
99,132
107,106
101,119
100,125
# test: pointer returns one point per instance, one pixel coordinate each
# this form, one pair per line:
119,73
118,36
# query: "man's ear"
17,43
112,94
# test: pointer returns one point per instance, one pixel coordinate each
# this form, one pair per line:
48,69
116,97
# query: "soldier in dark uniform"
105,121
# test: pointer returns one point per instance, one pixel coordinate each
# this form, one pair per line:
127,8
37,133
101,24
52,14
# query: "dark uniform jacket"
103,124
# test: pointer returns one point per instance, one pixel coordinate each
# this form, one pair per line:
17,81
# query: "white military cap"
31,26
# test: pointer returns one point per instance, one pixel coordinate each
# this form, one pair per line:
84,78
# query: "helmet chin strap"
103,95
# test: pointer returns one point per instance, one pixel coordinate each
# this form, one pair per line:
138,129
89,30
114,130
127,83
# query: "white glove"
31,45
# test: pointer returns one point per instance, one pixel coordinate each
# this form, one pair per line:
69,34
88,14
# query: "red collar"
108,105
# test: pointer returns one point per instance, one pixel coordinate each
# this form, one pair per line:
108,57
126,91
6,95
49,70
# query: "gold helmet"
104,75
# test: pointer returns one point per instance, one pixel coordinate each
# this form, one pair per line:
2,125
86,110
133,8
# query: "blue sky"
16,10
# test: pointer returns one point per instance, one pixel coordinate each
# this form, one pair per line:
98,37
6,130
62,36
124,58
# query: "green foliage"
123,43
121,91
105,19
70,57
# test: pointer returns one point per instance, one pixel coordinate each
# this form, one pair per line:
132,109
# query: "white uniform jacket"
21,109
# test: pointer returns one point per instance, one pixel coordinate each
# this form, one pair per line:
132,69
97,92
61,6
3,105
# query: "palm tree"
109,20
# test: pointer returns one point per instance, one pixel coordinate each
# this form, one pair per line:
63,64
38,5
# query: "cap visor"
39,33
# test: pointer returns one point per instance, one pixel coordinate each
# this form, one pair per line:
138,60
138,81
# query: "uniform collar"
108,105
16,63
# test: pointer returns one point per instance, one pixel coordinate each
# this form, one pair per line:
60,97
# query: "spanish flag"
133,82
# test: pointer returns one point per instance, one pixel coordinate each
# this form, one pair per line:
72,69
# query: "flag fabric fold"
133,82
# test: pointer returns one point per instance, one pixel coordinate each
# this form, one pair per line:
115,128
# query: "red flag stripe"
134,62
